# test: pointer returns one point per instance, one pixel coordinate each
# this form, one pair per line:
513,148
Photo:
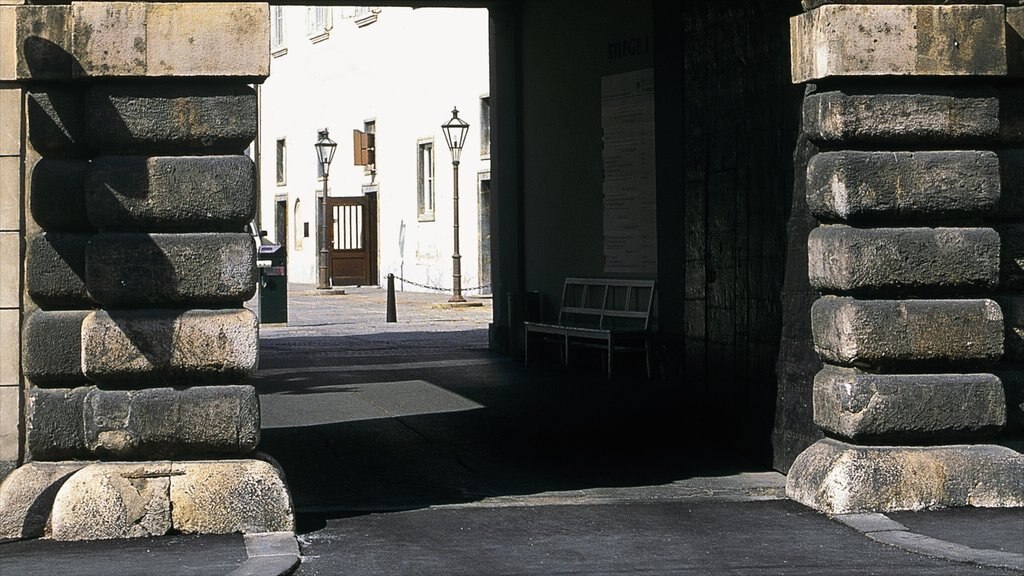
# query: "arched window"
297,230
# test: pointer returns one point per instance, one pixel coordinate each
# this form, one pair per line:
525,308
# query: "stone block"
229,496
892,261
10,352
52,346
53,424
43,42
27,494
119,500
188,39
57,195
894,118
1015,40
904,40
170,346
144,424
1011,264
10,192
10,423
907,334
10,121
56,122
838,478
8,42
10,269
109,38
1013,313
207,117
189,193
55,270
856,186
170,269
900,408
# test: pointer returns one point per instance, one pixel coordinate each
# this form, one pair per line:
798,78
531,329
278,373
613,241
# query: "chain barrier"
397,277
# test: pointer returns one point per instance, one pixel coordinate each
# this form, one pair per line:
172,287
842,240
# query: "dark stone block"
52,347
179,194
207,117
56,122
57,195
1011,271
54,424
55,270
171,269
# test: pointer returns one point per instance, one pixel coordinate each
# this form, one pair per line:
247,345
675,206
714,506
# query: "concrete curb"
270,554
883,529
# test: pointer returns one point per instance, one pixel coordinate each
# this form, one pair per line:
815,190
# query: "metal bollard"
392,315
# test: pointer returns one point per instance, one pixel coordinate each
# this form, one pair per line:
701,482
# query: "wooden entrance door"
352,231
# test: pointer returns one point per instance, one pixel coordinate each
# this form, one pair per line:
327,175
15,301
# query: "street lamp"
325,148
455,131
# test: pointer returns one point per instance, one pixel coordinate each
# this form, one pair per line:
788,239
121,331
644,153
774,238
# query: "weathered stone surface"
8,42
1015,39
874,40
27,494
874,408
909,334
188,39
52,346
1011,272
844,260
143,424
57,195
230,496
976,116
118,500
43,42
856,186
109,38
191,193
170,269
206,117
10,269
838,478
55,270
56,122
169,346
10,188
1013,314
10,127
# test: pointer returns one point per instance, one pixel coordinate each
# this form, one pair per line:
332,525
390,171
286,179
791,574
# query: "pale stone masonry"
917,258
133,195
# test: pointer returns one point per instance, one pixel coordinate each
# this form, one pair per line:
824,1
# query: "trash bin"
272,265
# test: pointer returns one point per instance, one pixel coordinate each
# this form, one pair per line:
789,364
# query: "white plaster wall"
405,71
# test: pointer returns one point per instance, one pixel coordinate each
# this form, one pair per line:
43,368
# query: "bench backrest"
607,304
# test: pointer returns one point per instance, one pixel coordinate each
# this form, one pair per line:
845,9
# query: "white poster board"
630,222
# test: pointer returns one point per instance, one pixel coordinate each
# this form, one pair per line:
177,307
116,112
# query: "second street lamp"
325,148
455,131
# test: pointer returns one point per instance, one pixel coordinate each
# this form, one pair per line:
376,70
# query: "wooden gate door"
352,228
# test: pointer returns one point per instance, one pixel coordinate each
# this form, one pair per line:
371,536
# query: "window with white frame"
318,22
277,32
281,162
425,180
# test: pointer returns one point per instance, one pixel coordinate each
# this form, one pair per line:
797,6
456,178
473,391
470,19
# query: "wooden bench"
612,314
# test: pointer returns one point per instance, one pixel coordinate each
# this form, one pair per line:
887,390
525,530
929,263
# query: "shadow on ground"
370,423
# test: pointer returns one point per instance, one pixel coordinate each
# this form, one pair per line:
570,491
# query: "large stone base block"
838,478
26,496
123,500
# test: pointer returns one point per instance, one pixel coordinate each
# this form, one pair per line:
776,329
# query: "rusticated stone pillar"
920,121
135,343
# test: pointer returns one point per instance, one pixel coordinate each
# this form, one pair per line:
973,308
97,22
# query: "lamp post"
325,148
455,131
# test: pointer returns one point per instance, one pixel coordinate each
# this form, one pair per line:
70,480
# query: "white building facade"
382,81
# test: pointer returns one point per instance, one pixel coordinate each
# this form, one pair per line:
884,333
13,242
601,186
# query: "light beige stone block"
10,269
230,496
109,38
43,42
208,39
119,500
26,497
10,121
10,351
10,194
10,416
898,40
8,43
